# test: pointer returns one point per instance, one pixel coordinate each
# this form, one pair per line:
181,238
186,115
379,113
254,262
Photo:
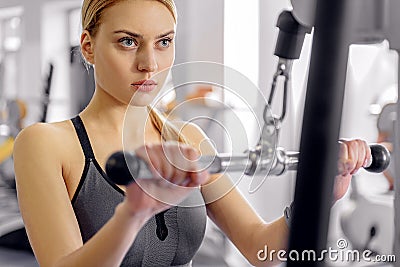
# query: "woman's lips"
144,85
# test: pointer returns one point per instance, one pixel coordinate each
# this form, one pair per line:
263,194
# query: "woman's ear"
87,47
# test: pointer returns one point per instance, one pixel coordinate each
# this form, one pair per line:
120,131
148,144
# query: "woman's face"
134,42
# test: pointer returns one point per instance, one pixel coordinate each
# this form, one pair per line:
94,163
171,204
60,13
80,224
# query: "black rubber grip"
380,158
117,168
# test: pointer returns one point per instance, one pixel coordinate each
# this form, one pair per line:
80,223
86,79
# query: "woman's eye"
127,42
165,43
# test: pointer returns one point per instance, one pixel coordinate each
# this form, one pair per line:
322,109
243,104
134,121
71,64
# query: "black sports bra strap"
83,137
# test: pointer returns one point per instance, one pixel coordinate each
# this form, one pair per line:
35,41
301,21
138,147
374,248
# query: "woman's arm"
238,220
48,214
230,210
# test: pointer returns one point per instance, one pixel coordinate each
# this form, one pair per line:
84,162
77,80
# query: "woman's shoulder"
45,135
196,136
189,130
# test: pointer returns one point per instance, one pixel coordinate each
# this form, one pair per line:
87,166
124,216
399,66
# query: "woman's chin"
142,99
140,102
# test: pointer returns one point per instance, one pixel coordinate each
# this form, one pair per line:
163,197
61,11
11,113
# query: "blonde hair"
92,11
167,130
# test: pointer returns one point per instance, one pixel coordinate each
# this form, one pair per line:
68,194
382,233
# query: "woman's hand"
353,154
175,173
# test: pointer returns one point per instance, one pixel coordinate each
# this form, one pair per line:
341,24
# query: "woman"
75,217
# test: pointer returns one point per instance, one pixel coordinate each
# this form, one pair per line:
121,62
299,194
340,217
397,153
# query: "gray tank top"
96,198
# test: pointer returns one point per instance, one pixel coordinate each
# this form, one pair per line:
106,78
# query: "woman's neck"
110,115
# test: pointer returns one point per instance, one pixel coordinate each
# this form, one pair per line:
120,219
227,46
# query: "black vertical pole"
321,125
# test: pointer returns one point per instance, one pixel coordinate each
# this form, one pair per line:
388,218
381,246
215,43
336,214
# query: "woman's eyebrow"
136,35
165,34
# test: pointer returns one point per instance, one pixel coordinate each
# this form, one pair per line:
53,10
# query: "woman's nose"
146,60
